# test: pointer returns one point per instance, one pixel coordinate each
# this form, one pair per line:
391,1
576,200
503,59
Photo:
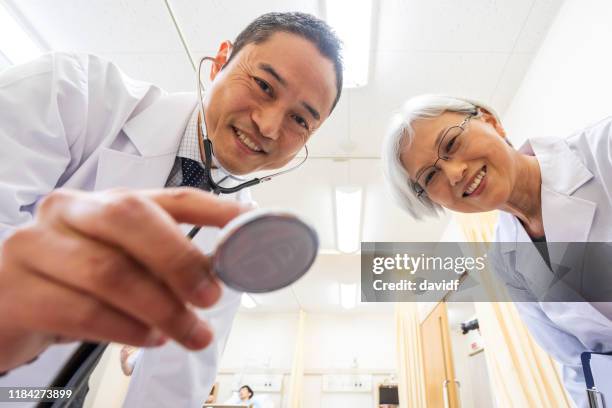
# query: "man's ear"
489,118
225,50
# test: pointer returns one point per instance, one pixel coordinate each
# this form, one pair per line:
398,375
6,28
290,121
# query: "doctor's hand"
108,266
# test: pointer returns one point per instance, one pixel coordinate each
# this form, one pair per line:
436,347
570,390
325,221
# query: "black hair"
251,393
305,25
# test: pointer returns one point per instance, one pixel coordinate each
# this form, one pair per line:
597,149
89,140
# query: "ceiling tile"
450,25
333,137
513,74
401,75
118,26
311,194
536,27
207,23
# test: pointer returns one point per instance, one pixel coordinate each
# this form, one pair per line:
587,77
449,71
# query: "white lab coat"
576,207
77,121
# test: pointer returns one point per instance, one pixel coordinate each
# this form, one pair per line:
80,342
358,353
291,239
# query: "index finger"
197,207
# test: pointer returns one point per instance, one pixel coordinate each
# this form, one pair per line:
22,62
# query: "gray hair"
400,134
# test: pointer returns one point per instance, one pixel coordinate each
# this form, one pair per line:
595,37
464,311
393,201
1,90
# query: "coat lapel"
144,152
566,218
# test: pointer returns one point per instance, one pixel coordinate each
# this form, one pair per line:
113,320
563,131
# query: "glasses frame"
420,190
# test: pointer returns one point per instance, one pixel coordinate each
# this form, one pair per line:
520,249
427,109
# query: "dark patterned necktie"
193,175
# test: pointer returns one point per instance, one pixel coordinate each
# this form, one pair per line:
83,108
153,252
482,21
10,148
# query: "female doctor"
446,152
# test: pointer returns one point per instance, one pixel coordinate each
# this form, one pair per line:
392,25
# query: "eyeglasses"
429,178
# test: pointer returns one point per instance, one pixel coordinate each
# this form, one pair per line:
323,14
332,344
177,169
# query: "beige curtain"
411,386
522,374
297,368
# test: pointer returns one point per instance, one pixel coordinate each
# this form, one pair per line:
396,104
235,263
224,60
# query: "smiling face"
265,104
481,172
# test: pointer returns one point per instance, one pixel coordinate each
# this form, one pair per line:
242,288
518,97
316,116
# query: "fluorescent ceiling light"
248,301
15,43
348,295
352,21
348,218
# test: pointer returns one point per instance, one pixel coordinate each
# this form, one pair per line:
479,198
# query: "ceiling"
4,62
473,48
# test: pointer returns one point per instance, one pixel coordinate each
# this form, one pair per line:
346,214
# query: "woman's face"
480,174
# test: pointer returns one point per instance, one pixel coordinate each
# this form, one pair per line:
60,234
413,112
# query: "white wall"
470,370
264,343
335,342
261,338
569,84
332,342
258,344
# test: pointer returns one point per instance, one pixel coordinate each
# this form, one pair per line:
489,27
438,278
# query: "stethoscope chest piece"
264,250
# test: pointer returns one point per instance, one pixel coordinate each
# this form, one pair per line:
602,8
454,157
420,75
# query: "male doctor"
80,261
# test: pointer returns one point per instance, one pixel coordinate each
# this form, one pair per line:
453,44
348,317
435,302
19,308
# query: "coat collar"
154,137
562,170
567,218
155,134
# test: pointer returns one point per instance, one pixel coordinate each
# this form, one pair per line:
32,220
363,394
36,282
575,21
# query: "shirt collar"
190,143
190,147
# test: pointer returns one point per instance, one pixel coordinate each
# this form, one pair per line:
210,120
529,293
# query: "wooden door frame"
447,357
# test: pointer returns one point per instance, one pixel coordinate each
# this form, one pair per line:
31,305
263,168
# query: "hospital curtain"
411,386
297,368
522,374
